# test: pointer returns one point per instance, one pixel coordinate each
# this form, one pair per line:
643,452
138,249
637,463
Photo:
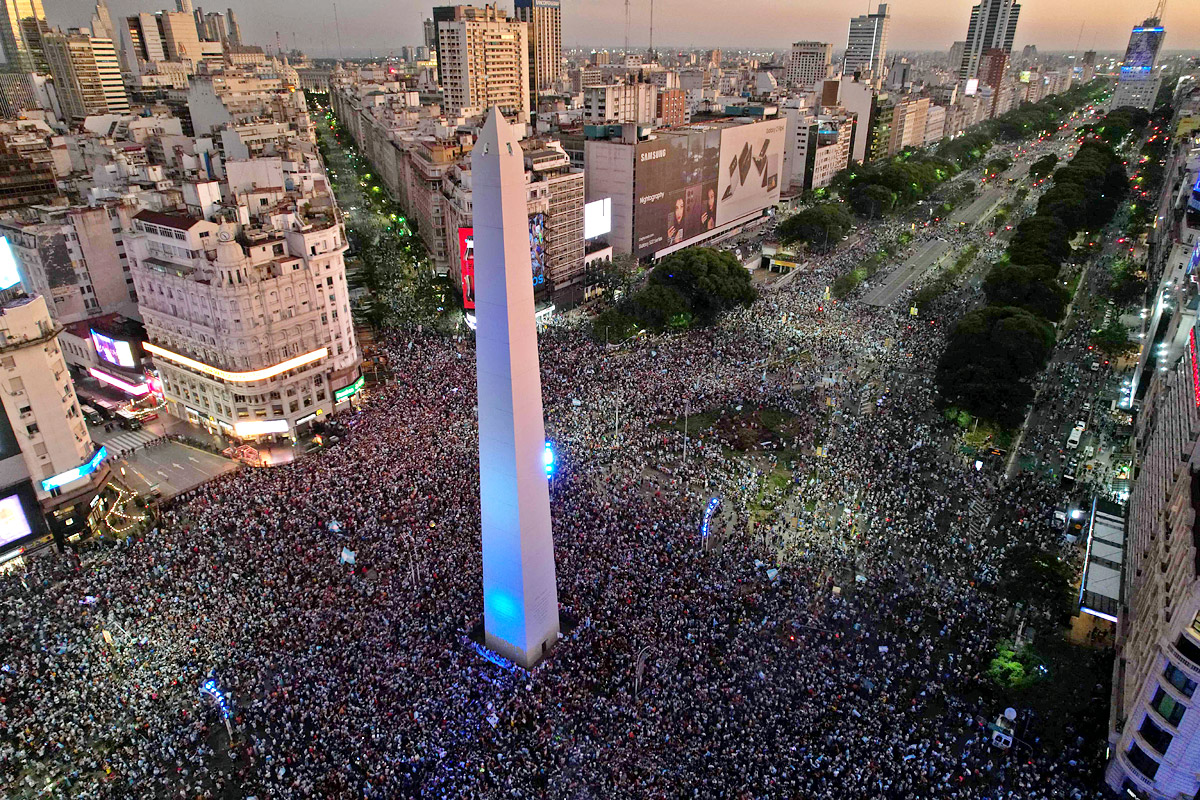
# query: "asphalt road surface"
171,468
916,266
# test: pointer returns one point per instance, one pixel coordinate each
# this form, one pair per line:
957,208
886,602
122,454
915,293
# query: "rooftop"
178,221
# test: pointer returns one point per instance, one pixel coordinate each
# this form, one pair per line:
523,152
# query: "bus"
128,420
91,415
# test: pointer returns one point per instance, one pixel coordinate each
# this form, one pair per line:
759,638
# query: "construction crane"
626,27
1158,12
652,30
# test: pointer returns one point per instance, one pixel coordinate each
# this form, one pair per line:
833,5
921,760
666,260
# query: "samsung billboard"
689,182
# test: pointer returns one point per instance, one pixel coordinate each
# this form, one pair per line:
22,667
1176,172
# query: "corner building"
249,327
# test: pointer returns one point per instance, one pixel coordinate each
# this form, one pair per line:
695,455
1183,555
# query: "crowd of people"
831,641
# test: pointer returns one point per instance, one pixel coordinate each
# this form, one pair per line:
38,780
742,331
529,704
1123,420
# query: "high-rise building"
544,18
483,58
184,7
620,103
808,64
235,30
866,45
520,595
430,30
1139,81
87,73
993,27
1154,718
214,28
22,26
180,37
145,39
956,55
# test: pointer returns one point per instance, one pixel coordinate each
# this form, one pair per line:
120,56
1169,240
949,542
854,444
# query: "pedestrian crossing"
127,440
979,513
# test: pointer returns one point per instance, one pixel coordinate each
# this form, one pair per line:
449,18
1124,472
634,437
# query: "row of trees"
693,286
993,353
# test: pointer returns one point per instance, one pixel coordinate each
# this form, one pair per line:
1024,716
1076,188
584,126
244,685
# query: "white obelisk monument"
520,598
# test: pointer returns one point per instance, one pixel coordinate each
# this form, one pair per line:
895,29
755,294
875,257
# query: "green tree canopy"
820,227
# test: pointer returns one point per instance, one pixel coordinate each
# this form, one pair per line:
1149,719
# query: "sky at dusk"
378,26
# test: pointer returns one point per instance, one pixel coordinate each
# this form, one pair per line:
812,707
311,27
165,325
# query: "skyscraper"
520,595
235,30
86,73
544,18
484,61
866,45
808,63
993,26
1139,81
22,25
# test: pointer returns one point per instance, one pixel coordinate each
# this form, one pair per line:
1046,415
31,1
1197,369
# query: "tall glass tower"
22,23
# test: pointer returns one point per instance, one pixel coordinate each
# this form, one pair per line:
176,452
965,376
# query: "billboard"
1142,52
675,188
14,524
751,159
537,247
10,276
466,254
597,218
114,351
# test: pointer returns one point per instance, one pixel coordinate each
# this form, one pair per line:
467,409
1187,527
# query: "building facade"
866,44
808,64
484,62
544,18
87,74
22,25
1139,80
993,26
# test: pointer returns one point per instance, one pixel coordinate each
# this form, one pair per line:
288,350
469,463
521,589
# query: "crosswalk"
127,440
979,513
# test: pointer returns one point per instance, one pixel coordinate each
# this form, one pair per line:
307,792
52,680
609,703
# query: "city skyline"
917,25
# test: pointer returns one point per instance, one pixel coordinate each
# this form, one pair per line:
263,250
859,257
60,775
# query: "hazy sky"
379,26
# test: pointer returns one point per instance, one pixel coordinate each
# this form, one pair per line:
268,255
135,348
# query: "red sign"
466,251
1195,367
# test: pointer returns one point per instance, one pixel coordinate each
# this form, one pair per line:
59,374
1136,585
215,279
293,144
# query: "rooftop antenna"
626,26
651,30
338,27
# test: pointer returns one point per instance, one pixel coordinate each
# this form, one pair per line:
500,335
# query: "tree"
1029,288
998,166
1113,339
616,276
1039,579
821,226
990,356
709,281
873,200
1043,166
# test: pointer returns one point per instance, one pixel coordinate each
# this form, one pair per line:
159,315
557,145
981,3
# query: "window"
32,429
1142,762
1189,649
25,410
1155,736
1179,680
1167,707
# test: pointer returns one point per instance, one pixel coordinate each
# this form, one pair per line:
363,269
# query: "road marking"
164,474
191,458
176,466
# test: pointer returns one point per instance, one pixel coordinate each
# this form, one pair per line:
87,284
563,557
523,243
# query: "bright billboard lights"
597,218
261,427
238,377
14,524
135,389
114,351
10,276
72,475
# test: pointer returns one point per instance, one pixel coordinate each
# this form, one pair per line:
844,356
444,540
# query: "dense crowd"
857,670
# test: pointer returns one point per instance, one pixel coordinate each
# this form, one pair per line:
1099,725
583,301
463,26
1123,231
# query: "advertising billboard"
675,188
114,351
751,160
466,254
537,247
14,524
597,218
10,276
1142,52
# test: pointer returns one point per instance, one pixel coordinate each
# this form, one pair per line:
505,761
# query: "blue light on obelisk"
520,598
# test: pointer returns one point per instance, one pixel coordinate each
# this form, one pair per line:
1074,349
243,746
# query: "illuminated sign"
1195,367
349,391
136,389
548,459
972,86
260,427
597,218
10,276
708,515
71,475
1025,76
238,377
113,351
212,690
466,252
14,524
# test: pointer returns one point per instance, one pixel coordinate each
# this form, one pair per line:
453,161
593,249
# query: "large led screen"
10,276
114,351
675,188
14,524
466,254
751,158
597,218
537,247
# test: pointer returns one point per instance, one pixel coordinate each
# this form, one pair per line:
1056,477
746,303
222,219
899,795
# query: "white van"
1073,439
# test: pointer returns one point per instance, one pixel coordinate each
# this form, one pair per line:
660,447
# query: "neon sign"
82,471
1195,367
548,459
708,515
238,377
349,391
136,389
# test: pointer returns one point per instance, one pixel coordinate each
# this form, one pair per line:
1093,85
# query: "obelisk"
520,598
